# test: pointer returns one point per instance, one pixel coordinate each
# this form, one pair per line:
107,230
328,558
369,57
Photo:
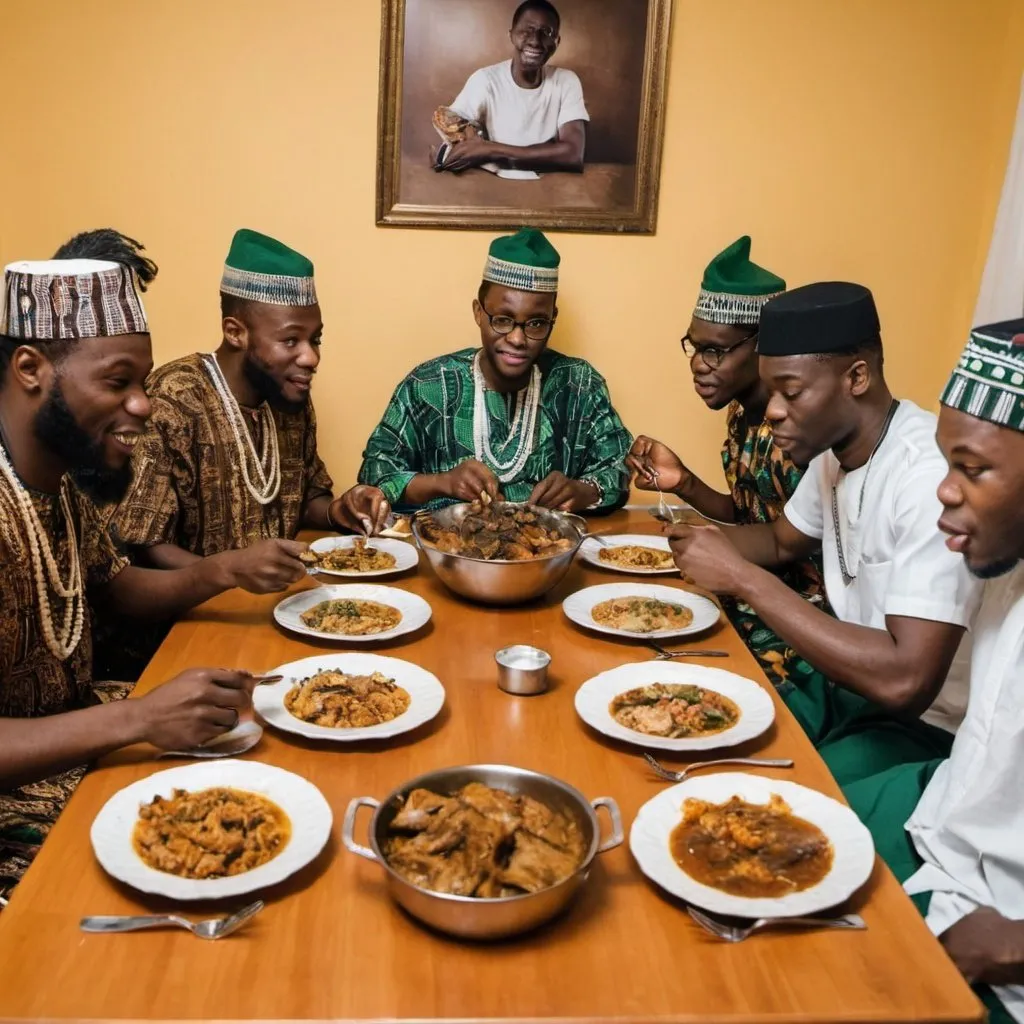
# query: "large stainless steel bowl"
503,582
467,916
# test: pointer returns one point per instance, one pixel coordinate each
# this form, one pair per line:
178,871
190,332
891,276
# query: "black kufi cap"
818,318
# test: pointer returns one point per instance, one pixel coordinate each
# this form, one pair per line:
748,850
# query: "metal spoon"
758,762
737,933
212,928
664,654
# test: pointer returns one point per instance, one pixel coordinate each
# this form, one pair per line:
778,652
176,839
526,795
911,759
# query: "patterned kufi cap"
989,380
55,300
734,289
262,269
526,261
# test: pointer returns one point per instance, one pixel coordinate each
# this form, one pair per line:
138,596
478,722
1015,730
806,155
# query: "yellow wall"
861,139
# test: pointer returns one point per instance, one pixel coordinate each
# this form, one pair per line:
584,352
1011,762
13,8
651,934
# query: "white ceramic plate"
851,841
425,691
415,611
578,607
757,712
303,803
406,556
590,551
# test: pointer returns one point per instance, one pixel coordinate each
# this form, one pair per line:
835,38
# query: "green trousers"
885,802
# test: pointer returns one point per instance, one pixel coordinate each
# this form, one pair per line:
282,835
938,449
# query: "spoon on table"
663,654
212,928
758,762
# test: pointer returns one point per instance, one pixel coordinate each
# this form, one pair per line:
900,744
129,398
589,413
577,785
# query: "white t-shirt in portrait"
892,543
516,116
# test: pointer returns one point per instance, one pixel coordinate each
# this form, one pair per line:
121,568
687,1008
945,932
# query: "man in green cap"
511,417
229,462
960,855
721,344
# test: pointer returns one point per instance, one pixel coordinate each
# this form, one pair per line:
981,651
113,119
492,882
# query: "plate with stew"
641,611
663,706
748,846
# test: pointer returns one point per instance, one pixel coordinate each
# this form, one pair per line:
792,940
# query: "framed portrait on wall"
504,113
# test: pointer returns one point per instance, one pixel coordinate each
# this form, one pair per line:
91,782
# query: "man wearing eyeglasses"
511,417
520,116
721,345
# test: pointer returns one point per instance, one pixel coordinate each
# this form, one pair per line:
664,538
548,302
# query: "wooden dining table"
331,945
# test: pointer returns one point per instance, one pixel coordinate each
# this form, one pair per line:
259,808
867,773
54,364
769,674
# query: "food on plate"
356,558
482,842
402,529
451,126
636,556
641,614
674,710
348,617
343,701
753,850
496,531
210,833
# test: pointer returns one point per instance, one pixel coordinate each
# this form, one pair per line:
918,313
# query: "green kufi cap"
989,380
526,261
734,289
262,269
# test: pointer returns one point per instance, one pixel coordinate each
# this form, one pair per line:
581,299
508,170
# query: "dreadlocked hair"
111,245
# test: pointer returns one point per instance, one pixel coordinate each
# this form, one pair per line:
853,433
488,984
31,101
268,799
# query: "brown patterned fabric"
33,682
188,488
66,299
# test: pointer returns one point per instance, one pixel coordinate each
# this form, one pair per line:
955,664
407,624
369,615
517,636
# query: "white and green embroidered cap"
262,269
734,289
988,382
526,261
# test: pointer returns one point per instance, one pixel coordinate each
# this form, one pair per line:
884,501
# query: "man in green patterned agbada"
512,417
721,344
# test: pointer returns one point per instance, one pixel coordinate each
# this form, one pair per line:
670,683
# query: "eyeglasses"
537,328
711,354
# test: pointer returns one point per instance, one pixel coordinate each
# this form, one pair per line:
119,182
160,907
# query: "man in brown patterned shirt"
230,456
74,355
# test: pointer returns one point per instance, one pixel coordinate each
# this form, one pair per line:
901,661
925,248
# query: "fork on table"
738,932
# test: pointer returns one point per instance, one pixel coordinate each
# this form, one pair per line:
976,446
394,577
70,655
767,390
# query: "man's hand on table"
266,567
361,509
987,948
192,708
705,555
558,491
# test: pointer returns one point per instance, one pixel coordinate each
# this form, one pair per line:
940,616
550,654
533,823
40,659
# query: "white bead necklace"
524,425
63,642
266,463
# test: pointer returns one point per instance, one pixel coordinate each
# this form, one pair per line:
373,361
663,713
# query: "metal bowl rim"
487,901
423,546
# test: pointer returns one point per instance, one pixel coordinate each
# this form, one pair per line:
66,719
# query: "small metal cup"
522,670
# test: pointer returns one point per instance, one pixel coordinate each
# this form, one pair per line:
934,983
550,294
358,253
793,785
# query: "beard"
55,425
994,569
268,389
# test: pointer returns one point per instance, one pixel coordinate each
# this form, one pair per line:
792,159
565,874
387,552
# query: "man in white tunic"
895,653
961,855
523,116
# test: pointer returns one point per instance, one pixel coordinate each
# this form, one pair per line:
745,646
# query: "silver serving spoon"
758,762
212,928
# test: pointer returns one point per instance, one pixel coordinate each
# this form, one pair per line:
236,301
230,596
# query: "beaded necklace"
523,428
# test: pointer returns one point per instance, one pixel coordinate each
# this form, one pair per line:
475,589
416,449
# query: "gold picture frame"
615,196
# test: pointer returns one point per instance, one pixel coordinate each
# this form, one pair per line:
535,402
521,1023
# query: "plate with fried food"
361,556
211,830
744,845
347,698
664,706
641,611
636,553
358,612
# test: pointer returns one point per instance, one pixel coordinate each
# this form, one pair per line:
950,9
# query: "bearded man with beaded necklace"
512,417
74,354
